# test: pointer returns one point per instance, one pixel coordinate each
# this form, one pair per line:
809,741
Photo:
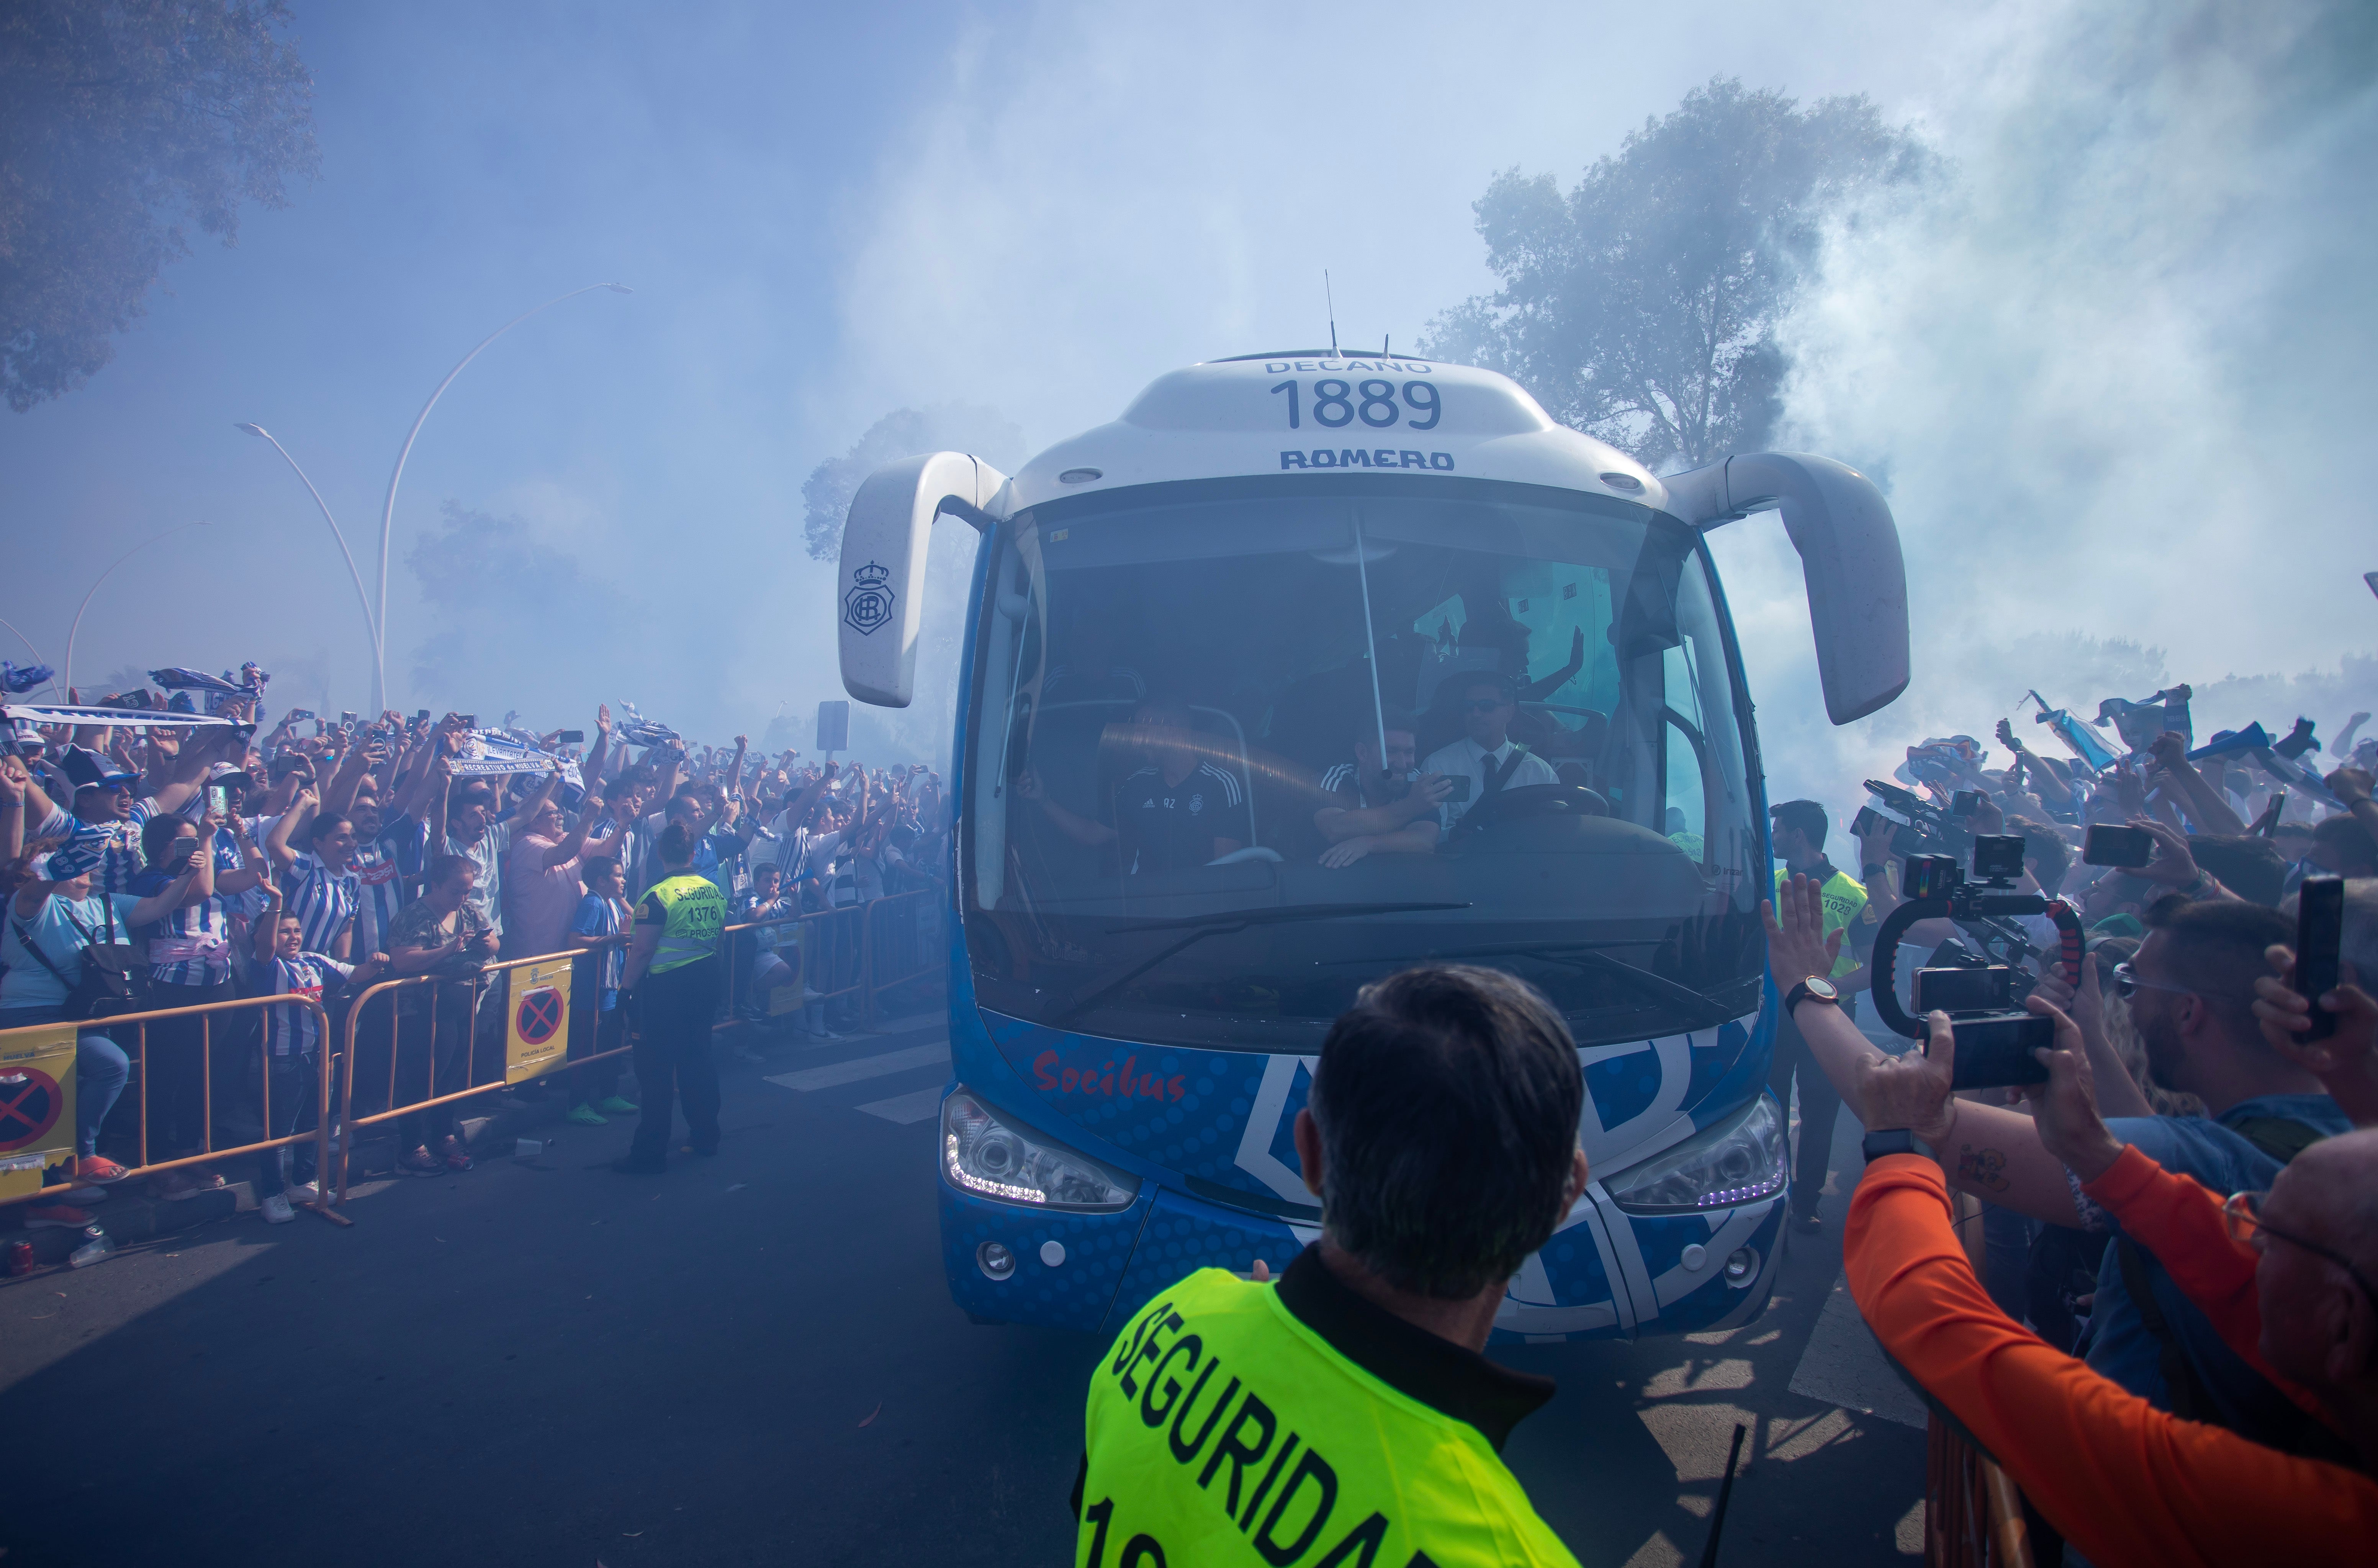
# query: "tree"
123,122
1643,307
504,601
903,433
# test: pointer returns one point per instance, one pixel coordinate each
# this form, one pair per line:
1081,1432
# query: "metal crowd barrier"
856,953
902,944
478,1077
20,1082
1973,1511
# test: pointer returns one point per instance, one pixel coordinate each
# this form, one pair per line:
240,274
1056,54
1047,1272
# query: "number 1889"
1338,403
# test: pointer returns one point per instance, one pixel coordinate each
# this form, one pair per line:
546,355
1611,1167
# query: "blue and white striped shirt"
600,917
324,900
387,870
192,946
294,1031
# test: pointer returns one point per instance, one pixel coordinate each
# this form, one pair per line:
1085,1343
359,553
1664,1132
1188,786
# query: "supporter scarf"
638,730
173,677
121,718
488,754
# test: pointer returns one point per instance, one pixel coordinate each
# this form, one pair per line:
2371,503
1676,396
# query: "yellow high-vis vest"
1843,898
1224,1429
697,913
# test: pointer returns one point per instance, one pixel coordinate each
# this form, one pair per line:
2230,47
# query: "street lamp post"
388,509
102,576
380,674
29,644
376,616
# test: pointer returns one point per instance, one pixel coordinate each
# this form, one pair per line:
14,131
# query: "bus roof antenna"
1332,300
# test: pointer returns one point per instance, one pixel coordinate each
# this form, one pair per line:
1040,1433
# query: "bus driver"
1169,816
1486,755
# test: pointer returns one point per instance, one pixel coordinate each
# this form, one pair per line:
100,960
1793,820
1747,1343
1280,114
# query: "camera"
1994,1038
1926,829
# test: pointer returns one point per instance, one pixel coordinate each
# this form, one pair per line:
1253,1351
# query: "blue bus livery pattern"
1223,1121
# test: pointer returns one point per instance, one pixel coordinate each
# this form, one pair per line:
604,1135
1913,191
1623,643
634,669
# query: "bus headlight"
983,1155
1739,1160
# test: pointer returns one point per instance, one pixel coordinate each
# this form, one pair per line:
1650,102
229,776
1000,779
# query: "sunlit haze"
2112,372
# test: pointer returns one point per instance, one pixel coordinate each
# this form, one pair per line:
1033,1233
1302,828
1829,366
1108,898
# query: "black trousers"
1820,1103
675,1011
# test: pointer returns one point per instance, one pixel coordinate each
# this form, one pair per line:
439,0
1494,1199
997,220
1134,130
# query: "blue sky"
830,212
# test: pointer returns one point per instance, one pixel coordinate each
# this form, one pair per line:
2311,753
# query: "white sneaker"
277,1210
303,1192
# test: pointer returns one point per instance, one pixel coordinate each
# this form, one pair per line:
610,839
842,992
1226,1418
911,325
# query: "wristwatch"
1816,987
1893,1141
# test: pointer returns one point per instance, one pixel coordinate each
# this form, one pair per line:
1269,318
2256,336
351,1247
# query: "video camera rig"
1995,1038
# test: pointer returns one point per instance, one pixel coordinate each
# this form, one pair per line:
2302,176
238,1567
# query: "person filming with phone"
1485,762
1379,807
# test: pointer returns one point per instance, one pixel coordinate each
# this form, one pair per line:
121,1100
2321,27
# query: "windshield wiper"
1200,927
1583,956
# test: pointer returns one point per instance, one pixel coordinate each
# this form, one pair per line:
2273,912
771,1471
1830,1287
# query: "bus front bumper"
1011,1263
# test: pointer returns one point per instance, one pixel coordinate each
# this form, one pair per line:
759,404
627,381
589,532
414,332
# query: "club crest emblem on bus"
868,604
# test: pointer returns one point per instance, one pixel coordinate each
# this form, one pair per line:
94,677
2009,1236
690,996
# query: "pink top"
538,899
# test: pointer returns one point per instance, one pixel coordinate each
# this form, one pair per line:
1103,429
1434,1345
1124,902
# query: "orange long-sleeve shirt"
2179,1220
2126,1483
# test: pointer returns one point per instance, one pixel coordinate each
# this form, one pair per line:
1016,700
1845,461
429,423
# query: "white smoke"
2107,375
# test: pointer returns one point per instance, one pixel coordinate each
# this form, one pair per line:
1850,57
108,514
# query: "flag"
2088,748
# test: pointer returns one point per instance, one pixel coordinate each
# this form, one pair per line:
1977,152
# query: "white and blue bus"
1181,624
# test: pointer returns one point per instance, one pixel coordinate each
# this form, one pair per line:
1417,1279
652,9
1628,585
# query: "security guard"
674,973
1346,1416
1801,827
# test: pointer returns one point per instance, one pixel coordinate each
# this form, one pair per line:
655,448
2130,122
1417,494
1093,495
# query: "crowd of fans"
150,865
2171,1343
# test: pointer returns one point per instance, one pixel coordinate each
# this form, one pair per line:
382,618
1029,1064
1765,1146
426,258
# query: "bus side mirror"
883,543
1849,557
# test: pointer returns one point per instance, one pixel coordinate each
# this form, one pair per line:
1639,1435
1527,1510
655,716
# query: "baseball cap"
90,770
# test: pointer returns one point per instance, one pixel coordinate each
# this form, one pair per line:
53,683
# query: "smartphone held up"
2320,937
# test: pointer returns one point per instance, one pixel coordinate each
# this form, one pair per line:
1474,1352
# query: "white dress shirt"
1465,759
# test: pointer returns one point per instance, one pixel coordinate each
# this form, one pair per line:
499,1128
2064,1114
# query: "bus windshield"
1237,748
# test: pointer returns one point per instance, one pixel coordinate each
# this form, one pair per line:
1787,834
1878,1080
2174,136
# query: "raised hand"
2346,1060
2173,865
1798,943
2066,1106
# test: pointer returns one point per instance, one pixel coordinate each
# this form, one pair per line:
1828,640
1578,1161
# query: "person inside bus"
1177,812
1088,673
1485,755
1374,810
1490,624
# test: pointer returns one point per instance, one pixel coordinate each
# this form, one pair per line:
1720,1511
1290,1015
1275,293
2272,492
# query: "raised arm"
300,814
173,895
2352,786
2212,814
339,795
253,871
15,779
1074,825
1989,1151
590,770
574,842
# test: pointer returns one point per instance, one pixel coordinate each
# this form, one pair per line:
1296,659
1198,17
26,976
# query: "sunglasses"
1482,704
2242,1217
2127,984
